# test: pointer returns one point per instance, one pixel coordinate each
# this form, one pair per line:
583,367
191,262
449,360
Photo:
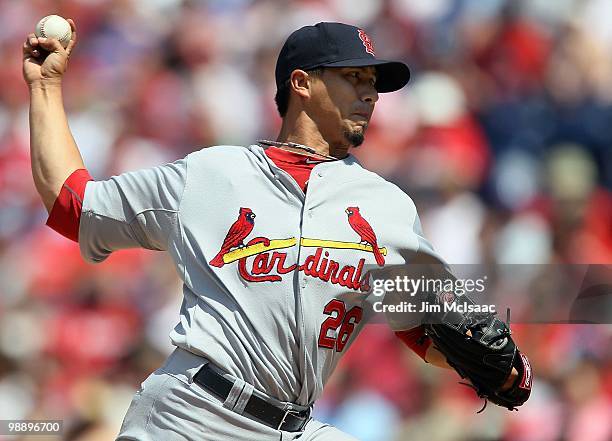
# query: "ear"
300,83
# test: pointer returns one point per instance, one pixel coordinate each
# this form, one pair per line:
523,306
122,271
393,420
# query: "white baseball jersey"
275,280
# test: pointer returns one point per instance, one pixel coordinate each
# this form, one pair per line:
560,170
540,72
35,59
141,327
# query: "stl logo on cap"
367,42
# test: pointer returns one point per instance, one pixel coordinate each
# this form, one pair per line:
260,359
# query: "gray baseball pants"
170,407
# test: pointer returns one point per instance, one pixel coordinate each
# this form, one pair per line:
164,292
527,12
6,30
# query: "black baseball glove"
479,347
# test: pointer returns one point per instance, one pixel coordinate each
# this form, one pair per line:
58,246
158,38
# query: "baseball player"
274,242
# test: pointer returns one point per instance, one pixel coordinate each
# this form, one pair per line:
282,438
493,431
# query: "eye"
356,75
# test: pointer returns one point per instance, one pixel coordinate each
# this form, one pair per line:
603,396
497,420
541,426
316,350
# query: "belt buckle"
288,409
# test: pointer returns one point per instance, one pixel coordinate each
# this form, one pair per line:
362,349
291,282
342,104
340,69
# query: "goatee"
355,138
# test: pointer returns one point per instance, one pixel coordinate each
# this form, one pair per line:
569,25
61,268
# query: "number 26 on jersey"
336,330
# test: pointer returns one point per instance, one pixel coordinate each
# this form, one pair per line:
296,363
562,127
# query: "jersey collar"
286,156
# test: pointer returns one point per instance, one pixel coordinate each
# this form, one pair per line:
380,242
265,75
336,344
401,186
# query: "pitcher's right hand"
44,59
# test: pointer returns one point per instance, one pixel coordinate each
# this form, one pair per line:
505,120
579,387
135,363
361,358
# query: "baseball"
54,26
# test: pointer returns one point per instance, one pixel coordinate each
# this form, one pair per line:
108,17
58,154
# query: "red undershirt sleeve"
416,340
65,216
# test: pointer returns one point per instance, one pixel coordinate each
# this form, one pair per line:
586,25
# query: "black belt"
283,417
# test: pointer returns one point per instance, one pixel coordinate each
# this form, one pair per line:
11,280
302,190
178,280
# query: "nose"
369,94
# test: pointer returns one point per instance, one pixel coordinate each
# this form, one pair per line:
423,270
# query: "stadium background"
503,138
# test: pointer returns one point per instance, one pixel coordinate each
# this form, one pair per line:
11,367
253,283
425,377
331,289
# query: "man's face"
342,102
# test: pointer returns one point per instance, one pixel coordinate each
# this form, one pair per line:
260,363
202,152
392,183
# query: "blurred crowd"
503,138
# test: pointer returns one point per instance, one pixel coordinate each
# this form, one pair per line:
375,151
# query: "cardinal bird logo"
365,231
236,234
367,42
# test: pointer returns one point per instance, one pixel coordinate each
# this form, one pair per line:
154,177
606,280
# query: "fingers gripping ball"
54,26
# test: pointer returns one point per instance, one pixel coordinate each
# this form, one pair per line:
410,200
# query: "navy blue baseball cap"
337,45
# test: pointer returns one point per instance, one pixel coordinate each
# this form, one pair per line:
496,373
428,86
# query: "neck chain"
295,146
